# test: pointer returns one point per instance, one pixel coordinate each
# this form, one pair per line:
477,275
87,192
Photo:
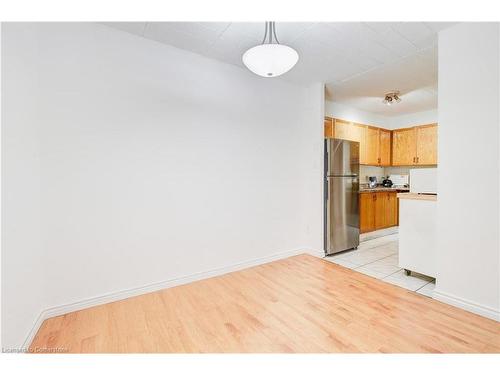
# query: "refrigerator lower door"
342,214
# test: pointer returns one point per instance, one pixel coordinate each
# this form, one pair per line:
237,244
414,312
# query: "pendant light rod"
265,34
274,34
270,33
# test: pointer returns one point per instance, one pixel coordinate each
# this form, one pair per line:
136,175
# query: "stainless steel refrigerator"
341,208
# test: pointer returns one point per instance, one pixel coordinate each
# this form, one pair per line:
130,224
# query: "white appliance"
399,180
423,181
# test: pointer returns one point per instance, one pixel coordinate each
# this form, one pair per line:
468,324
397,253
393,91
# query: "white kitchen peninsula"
417,233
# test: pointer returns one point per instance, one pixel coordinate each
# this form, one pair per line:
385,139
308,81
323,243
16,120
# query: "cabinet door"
371,146
360,130
346,130
366,212
404,147
328,127
391,209
427,144
380,203
384,147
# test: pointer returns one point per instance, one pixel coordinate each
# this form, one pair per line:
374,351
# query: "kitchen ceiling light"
391,98
270,59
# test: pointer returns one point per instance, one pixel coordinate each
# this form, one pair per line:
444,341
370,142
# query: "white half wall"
127,162
469,131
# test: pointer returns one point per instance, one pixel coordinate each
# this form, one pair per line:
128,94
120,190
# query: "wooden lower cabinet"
391,209
377,210
366,212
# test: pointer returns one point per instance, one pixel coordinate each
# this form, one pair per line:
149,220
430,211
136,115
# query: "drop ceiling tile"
364,64
360,42
380,27
289,31
247,29
189,40
217,27
354,31
194,29
396,43
438,26
415,32
377,51
326,36
136,28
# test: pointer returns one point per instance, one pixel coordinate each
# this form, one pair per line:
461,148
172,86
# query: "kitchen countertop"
382,188
415,196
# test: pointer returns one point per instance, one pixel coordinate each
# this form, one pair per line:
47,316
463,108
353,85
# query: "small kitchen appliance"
372,181
387,182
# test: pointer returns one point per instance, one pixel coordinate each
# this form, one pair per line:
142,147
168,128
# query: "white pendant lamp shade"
270,59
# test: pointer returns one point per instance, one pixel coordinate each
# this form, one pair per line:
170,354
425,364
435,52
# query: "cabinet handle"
379,160
417,159
414,159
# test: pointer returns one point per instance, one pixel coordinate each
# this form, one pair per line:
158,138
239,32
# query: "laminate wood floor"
298,304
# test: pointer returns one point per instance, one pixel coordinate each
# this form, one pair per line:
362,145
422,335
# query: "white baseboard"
123,294
462,303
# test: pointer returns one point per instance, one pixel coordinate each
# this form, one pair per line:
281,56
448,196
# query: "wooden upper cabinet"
426,144
346,130
404,146
377,146
371,145
415,146
328,127
384,147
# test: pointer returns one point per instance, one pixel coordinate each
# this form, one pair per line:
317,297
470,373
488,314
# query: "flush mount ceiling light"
391,98
270,59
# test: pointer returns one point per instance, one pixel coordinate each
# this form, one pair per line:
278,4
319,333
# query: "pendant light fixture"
270,59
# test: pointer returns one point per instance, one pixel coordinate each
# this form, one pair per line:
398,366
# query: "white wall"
344,112
128,162
23,277
348,113
413,119
468,213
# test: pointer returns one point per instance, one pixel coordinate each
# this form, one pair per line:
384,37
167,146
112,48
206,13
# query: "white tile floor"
378,257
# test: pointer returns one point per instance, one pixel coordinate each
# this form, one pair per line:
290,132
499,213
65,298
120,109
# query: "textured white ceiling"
359,61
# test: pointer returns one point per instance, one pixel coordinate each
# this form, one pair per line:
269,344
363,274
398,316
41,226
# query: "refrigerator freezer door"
342,214
343,158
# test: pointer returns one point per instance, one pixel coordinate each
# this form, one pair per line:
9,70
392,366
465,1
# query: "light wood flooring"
298,304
